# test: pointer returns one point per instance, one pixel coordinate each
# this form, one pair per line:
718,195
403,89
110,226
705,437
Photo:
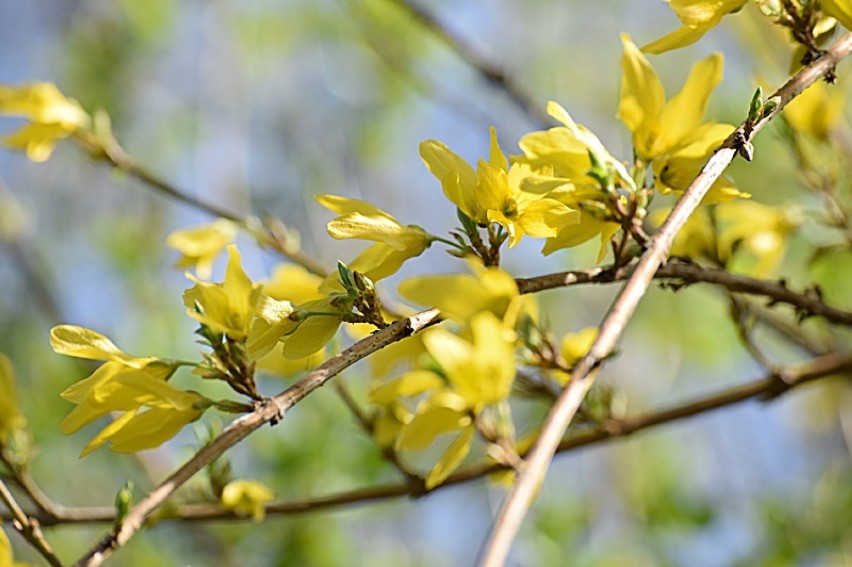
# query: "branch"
118,158
488,70
520,498
765,390
28,527
778,292
272,411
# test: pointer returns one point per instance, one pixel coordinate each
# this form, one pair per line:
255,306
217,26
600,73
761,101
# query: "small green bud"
755,109
123,502
345,275
770,105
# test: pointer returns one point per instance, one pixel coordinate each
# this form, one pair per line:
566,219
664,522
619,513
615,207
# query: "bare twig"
28,527
777,292
520,498
115,155
488,70
765,390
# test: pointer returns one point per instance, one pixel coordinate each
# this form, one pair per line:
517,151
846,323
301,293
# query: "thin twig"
488,70
765,389
520,498
115,155
687,273
28,527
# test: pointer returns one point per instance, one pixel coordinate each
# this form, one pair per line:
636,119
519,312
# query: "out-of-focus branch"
515,507
270,237
766,389
487,69
28,527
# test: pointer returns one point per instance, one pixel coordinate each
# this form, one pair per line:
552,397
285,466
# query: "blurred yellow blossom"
698,17
52,116
6,559
839,9
756,233
461,296
247,498
818,110
10,414
199,246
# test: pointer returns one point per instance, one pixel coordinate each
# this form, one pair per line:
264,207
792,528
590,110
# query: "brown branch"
488,70
239,429
778,292
270,238
766,390
28,527
520,498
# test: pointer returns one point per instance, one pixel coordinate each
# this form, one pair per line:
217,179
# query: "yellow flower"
228,307
480,370
52,117
558,162
755,234
671,134
124,383
698,17
361,220
697,238
295,284
495,194
247,498
199,246
395,243
461,296
10,415
6,559
818,110
575,346
311,335
839,9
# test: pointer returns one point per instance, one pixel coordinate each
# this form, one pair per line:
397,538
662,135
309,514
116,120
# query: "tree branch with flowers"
445,382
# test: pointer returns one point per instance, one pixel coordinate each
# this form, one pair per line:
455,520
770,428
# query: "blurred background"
258,105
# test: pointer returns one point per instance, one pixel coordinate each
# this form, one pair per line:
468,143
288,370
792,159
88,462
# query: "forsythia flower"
494,194
246,498
480,370
671,134
818,110
698,17
199,246
6,559
395,243
124,383
757,230
228,307
839,9
10,416
295,284
461,296
52,117
559,161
